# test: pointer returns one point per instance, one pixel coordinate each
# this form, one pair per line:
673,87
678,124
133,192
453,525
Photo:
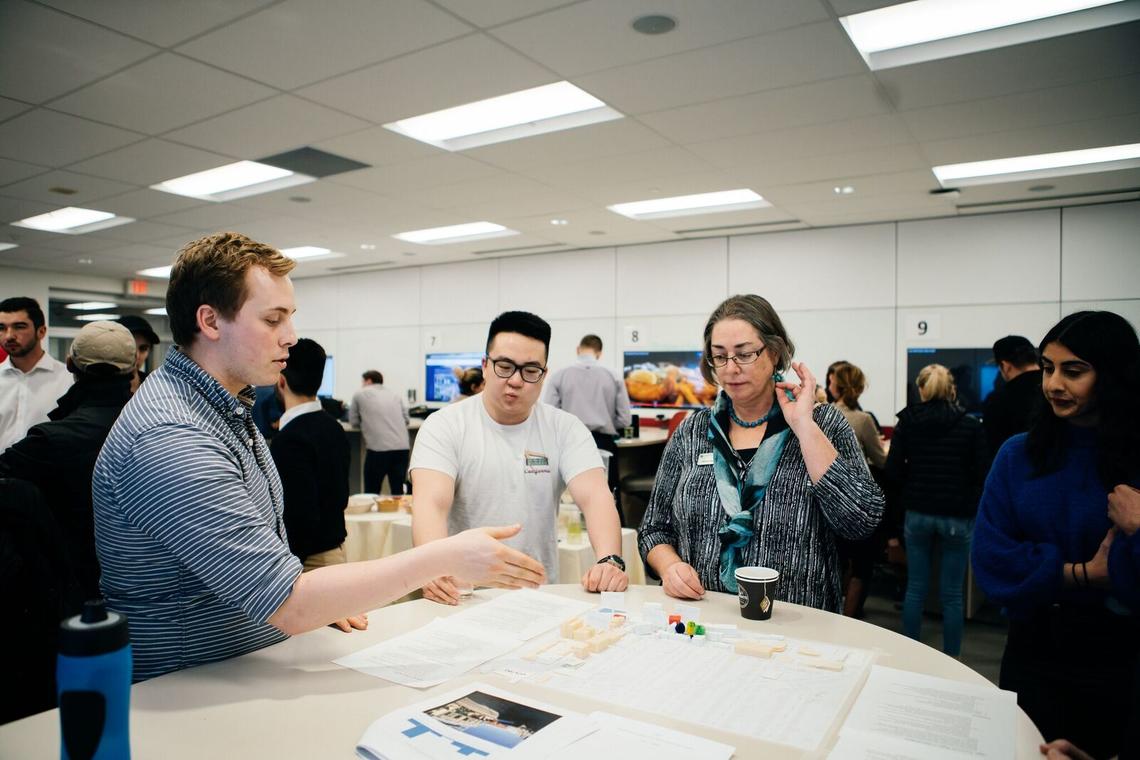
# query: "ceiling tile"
141,232
89,189
15,209
214,216
14,171
613,42
298,42
55,139
72,243
838,166
666,186
1097,54
815,103
795,56
378,147
433,171
143,204
329,204
610,138
150,162
1056,187
497,197
9,108
162,93
1056,105
632,167
163,23
462,71
44,54
483,14
271,126
867,186
1094,133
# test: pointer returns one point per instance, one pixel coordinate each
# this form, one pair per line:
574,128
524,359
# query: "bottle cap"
96,631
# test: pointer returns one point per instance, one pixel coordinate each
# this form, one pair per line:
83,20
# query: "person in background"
31,380
1056,542
502,455
59,456
765,477
1006,411
383,419
145,339
470,383
858,557
938,463
596,395
189,525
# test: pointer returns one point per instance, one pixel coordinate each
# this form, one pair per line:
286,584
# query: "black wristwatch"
614,560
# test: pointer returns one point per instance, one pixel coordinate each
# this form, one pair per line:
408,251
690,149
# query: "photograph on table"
666,378
494,719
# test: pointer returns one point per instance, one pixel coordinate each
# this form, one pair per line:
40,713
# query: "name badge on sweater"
536,463
703,459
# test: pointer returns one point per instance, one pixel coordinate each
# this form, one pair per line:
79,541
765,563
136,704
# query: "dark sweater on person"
1007,410
312,458
938,459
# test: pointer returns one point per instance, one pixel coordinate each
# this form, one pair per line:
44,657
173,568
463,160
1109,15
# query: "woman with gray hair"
764,477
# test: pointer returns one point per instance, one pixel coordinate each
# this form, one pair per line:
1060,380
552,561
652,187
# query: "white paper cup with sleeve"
756,587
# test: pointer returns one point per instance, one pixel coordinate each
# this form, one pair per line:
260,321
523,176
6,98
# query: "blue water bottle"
94,677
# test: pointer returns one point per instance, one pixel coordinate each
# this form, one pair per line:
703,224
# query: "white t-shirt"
506,474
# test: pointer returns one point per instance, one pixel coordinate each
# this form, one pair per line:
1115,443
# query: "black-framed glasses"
505,368
740,357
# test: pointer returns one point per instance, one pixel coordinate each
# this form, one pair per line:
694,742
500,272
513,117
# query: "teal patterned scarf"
741,486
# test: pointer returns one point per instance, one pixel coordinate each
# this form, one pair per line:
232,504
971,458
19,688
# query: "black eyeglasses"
505,368
740,357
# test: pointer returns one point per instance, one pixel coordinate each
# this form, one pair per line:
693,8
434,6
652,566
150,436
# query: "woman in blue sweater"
1055,541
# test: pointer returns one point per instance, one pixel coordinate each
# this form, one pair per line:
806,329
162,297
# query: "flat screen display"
441,383
666,378
328,379
973,369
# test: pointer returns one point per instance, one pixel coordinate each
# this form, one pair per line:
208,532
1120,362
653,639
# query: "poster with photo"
666,379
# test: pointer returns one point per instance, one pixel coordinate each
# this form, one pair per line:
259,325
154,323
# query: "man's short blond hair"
211,271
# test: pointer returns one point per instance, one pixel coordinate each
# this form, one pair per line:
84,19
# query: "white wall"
853,293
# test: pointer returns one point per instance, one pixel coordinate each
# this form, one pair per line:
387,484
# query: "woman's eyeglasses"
505,368
741,357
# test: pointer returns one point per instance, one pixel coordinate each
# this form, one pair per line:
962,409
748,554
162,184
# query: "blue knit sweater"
1028,528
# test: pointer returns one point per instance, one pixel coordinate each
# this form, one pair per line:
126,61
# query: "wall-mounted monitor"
666,378
973,369
442,379
328,379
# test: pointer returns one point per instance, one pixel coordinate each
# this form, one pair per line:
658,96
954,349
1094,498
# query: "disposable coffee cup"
756,588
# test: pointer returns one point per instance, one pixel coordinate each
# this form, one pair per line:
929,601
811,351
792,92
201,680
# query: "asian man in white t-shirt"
503,457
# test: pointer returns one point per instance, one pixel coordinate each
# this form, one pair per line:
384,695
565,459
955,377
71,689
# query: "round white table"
290,701
369,534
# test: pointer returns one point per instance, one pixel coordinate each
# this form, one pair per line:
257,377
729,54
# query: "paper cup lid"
757,574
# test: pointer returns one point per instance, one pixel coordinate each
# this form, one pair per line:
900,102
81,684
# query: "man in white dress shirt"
31,381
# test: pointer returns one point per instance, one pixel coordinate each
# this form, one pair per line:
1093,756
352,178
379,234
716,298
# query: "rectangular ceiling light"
1088,161
929,30
8,246
456,233
159,311
688,205
236,180
308,252
96,317
160,272
525,113
73,221
91,305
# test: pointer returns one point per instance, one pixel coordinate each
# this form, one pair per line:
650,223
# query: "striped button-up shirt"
188,522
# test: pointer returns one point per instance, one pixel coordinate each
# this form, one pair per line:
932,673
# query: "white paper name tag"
703,459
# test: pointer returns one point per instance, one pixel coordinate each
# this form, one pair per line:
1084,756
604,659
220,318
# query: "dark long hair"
1107,342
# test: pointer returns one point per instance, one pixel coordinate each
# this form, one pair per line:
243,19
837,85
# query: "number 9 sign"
923,326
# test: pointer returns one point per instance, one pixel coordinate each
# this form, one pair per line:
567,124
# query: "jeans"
954,542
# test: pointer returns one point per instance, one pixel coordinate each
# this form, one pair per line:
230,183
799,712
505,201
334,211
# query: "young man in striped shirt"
188,504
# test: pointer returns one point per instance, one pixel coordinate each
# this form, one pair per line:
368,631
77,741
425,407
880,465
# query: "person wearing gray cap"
59,456
145,339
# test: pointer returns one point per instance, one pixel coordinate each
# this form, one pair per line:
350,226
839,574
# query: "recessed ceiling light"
1019,168
160,272
91,305
928,30
687,205
73,221
308,252
1042,188
63,190
559,222
85,261
7,246
843,189
368,246
96,317
159,311
654,24
409,253
236,180
456,233
597,232
300,198
536,111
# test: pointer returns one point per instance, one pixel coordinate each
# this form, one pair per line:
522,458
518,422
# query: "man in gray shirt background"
597,396
382,417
